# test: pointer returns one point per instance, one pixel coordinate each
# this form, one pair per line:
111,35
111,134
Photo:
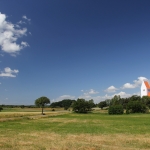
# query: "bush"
1,108
115,109
136,107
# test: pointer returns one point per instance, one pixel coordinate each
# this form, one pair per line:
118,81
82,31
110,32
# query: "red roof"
147,84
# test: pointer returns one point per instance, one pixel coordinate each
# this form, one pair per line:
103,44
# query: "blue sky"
70,49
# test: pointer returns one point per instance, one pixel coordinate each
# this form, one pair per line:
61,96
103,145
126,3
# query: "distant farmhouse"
145,89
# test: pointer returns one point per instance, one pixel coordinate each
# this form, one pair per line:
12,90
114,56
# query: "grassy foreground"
59,131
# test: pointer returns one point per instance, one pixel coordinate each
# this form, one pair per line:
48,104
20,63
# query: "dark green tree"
66,103
146,101
135,98
102,104
41,102
22,106
136,107
91,103
115,100
1,108
81,106
108,102
115,109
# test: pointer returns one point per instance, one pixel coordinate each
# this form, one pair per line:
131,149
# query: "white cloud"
111,89
9,34
0,83
25,17
129,86
64,97
136,83
8,72
98,99
122,94
91,91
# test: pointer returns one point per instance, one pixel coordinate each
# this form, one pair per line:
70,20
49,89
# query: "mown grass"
77,131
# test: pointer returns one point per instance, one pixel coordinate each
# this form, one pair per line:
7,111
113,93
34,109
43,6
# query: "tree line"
66,103
116,105
133,104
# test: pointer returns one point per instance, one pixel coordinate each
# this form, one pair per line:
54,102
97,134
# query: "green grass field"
63,130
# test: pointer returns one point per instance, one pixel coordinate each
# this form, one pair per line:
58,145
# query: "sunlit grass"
73,131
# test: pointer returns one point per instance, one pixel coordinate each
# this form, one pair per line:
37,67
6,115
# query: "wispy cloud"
25,17
8,72
9,35
20,22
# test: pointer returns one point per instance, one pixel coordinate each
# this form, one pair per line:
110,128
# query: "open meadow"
27,129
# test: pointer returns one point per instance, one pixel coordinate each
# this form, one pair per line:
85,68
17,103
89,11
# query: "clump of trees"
115,106
66,103
133,104
41,102
115,109
136,107
82,106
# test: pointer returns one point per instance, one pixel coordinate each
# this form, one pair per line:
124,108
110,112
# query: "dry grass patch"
53,141
5,116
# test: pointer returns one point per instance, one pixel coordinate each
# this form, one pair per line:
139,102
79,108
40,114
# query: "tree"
115,109
22,106
1,108
102,104
115,100
41,102
91,103
82,106
146,101
135,98
66,103
136,107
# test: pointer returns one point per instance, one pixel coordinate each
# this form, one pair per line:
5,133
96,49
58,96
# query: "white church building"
145,88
